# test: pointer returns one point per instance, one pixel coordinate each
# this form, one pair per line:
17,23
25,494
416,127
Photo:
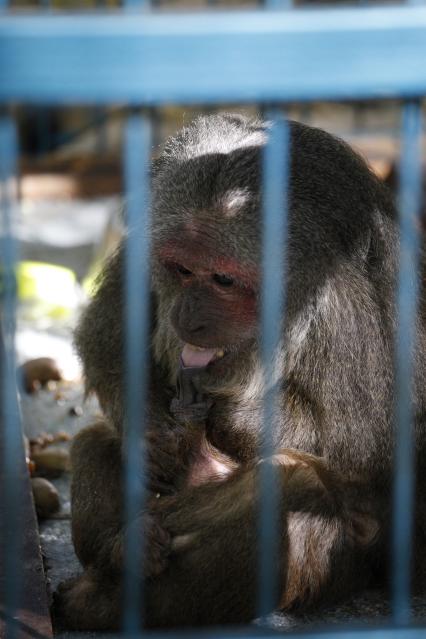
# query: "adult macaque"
333,432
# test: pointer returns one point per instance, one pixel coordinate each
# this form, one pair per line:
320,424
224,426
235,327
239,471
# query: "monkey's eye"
182,270
223,280
177,269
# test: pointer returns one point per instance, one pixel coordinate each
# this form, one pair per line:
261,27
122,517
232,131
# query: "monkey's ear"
363,528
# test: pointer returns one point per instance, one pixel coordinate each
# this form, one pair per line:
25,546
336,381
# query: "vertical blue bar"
275,187
11,434
137,298
410,225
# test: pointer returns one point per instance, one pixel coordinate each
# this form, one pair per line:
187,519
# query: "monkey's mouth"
198,357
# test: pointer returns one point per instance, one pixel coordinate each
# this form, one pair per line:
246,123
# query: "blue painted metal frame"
9,413
275,180
252,56
407,300
137,162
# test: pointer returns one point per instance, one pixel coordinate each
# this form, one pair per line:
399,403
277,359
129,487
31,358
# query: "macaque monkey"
332,433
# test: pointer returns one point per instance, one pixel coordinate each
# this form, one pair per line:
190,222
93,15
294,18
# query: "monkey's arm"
97,492
212,573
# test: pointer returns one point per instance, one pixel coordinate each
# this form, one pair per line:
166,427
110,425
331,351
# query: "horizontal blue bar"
363,52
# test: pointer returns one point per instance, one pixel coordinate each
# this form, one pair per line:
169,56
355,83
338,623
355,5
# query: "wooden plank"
84,177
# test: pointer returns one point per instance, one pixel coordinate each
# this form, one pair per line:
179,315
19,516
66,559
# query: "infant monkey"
333,431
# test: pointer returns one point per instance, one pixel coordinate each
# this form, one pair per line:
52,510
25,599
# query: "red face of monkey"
214,300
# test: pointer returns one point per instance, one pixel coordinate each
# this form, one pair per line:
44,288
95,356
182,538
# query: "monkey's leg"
212,576
97,502
88,602
92,600
96,491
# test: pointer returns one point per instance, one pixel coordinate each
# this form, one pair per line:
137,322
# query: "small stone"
75,411
37,373
51,460
46,497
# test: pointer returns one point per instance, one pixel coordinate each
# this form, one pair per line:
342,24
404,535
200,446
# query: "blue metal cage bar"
409,209
275,177
10,426
144,59
137,307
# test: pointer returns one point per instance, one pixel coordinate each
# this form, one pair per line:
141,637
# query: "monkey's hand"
155,544
168,447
